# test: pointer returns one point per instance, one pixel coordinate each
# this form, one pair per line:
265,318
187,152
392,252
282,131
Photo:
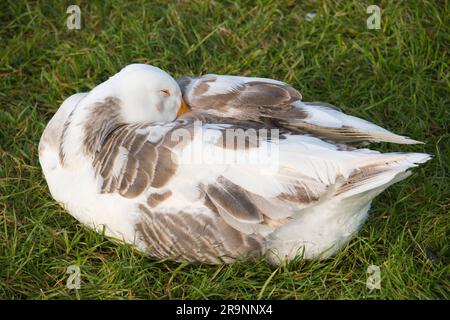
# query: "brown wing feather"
204,238
252,214
127,161
273,104
245,101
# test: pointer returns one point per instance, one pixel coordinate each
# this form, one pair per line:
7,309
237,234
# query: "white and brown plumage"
277,104
114,158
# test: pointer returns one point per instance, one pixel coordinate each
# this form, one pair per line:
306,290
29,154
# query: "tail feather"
329,122
380,172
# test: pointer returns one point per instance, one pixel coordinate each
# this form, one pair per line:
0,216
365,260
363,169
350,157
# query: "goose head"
146,94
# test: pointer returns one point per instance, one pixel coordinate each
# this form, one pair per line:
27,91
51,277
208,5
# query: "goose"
127,159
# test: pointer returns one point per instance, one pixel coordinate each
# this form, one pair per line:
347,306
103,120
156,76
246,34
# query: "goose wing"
254,186
276,103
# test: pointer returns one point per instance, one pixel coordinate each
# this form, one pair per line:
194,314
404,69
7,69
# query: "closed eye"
165,92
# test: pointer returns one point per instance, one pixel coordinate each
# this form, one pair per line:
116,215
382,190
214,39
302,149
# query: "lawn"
396,77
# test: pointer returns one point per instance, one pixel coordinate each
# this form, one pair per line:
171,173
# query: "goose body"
175,188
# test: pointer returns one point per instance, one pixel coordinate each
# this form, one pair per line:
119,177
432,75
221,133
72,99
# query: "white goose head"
146,93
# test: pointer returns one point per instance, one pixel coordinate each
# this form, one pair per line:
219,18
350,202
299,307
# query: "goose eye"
165,92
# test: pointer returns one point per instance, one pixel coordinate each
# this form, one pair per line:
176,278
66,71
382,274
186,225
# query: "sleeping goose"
275,103
120,161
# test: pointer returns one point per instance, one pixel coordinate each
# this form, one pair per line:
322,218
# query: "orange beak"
183,108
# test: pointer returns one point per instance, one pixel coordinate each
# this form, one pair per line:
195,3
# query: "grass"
397,77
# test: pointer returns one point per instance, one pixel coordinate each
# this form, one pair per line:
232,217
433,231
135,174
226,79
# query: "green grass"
397,77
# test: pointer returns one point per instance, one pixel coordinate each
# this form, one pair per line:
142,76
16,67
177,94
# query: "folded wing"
178,183
277,104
